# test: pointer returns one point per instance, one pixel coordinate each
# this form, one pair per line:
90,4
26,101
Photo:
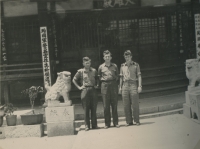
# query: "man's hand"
96,87
82,87
139,89
120,90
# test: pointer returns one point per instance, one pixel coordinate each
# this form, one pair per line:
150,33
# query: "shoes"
106,127
95,127
138,124
128,124
86,128
117,126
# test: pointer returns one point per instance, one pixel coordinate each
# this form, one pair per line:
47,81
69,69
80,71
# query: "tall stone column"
191,108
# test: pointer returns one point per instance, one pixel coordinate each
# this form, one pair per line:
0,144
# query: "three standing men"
130,85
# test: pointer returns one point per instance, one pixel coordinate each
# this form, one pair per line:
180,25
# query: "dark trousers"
109,92
89,103
130,98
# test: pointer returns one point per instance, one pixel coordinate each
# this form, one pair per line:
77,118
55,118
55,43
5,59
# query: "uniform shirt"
86,78
131,72
108,73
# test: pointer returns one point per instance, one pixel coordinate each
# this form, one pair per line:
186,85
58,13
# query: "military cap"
106,52
127,52
86,59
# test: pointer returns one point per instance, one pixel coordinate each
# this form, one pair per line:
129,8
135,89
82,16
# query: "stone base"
60,129
59,114
197,88
195,104
56,103
2,133
24,131
186,110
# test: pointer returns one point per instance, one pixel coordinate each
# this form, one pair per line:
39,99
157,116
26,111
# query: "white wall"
74,5
160,2
13,9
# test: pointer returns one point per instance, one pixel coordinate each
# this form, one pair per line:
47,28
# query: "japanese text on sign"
45,56
197,33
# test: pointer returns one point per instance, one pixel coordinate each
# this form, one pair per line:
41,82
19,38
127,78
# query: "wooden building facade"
161,38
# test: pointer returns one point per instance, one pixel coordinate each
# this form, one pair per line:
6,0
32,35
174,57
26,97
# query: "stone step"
143,110
163,91
79,124
162,70
163,77
164,84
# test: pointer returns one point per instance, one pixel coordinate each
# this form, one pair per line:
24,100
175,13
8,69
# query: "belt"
108,80
89,86
130,82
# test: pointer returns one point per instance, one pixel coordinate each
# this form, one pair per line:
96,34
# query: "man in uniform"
108,75
130,86
89,81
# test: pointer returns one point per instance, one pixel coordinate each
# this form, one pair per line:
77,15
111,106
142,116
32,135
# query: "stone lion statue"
60,88
193,71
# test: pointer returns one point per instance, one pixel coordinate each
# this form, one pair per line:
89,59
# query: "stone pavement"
147,105
167,132
61,142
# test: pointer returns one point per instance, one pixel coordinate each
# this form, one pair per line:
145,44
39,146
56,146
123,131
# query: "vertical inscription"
45,56
197,34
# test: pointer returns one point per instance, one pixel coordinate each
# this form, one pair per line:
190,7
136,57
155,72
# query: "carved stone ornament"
193,72
62,87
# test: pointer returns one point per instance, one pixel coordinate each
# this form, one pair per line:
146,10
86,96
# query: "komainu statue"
193,71
62,87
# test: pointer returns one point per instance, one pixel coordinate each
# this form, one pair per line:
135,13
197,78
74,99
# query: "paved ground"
167,132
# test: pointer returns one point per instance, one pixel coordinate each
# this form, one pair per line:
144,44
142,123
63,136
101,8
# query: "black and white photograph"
100,74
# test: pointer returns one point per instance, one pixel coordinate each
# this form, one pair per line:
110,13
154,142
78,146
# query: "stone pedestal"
2,133
186,110
187,105
60,120
60,129
195,104
23,131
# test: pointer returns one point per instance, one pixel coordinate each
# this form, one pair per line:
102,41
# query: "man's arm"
99,73
117,73
120,81
77,75
139,79
97,79
121,78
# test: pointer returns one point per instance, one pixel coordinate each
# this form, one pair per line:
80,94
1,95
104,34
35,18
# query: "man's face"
87,64
107,58
128,58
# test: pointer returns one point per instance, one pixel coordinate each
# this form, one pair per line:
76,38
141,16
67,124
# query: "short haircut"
106,52
86,59
127,52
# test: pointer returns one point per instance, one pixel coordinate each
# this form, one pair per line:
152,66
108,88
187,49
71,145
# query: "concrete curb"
79,124
146,110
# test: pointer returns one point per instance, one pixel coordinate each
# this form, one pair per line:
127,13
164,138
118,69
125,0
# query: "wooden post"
3,54
46,43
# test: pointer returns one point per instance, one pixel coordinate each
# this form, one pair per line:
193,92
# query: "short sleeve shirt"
130,72
86,78
108,73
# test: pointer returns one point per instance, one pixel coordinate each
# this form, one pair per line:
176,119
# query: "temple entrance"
155,36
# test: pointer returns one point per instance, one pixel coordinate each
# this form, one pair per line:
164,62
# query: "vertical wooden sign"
3,46
197,34
45,56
